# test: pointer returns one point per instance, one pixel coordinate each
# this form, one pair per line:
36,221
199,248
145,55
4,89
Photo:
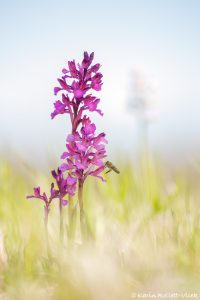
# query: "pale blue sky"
160,38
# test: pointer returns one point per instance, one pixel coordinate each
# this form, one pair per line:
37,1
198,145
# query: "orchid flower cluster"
85,150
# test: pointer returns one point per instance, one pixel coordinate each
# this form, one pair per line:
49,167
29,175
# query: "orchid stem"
46,217
61,221
72,218
80,201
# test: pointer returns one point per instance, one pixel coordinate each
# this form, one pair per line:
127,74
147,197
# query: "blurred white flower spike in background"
141,102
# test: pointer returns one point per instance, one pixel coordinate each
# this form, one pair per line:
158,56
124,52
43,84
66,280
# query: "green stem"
72,219
70,206
61,221
83,226
80,200
46,217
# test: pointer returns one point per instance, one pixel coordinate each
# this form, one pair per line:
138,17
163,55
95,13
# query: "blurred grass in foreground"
143,236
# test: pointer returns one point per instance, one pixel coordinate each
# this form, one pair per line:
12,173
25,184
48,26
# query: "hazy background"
159,38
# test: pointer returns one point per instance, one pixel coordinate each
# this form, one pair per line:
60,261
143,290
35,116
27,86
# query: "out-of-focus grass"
143,236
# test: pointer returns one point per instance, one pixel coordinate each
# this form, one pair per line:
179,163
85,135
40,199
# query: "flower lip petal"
80,166
70,138
64,155
97,171
64,167
64,202
37,191
71,180
79,93
56,90
54,174
65,71
81,147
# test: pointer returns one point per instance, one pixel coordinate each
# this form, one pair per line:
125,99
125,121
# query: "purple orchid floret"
66,186
85,152
37,194
75,84
87,60
47,200
91,103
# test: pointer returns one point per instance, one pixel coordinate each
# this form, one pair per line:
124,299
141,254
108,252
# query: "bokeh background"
159,40
142,227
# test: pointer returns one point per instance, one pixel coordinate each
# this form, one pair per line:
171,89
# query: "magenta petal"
71,192
99,163
95,68
70,138
62,83
56,90
72,69
59,106
97,171
89,129
70,149
37,191
53,173
92,106
81,147
65,71
64,155
64,202
99,112
79,93
96,86
80,166
71,180
29,197
100,177
53,114
64,167
70,163
99,147
87,60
